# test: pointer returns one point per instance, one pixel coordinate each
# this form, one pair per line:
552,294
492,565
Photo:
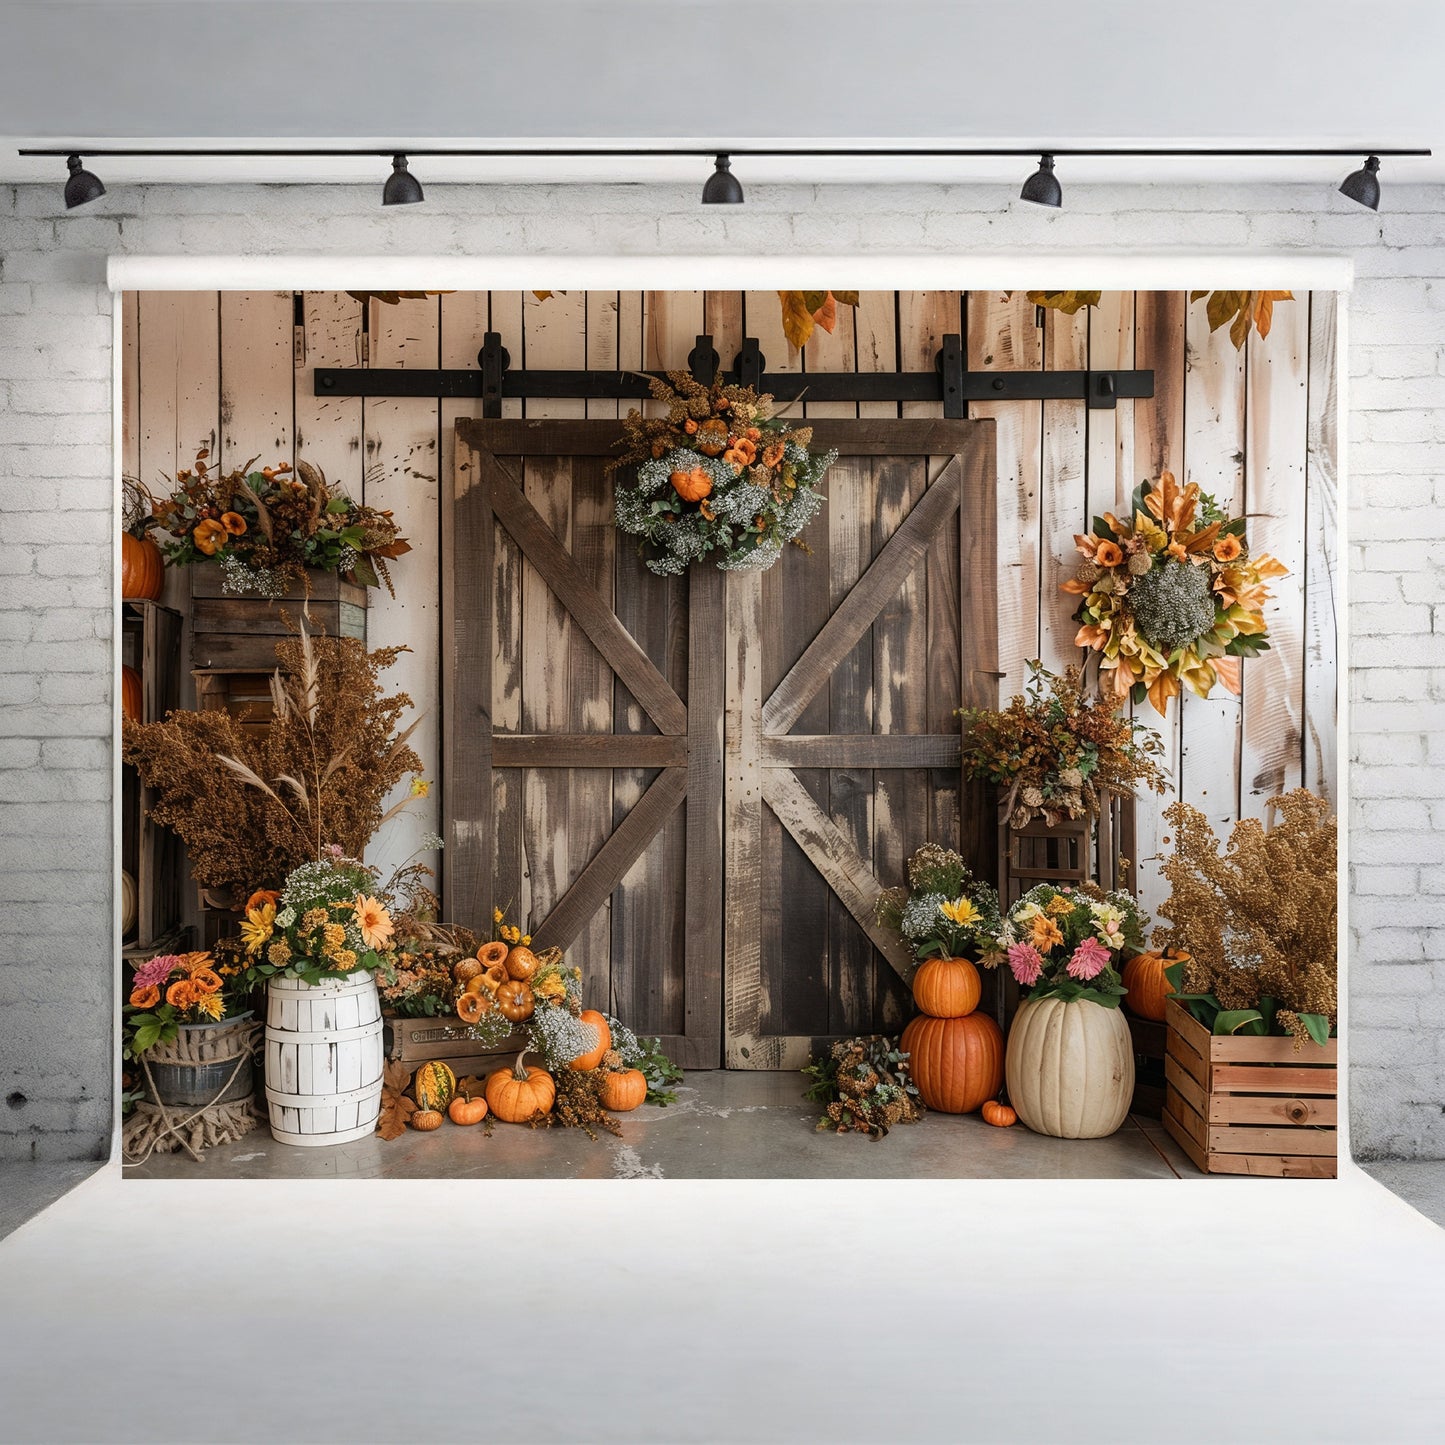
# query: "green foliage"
865,1086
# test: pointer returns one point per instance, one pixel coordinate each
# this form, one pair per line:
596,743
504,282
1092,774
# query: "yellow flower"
257,927
279,953
210,1004
497,915
420,788
335,936
313,919
526,938
961,911
550,987
1059,905
374,922
1046,934
345,959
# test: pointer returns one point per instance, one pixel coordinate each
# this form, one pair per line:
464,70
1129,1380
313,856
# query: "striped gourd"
434,1086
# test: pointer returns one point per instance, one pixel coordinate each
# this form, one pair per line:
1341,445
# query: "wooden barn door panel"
842,749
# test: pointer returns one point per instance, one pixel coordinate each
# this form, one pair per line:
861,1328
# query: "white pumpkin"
127,903
1070,1067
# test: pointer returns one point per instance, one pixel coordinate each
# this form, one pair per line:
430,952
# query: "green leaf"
365,571
1318,1026
338,505
1174,972
846,298
814,300
1236,1020
1103,530
1138,693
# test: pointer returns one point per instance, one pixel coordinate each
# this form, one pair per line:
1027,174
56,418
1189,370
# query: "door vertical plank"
875,343
400,439
1276,450
129,303
328,428
722,313
467,567
554,337
1321,549
1110,475
1063,500
1214,430
1159,318
257,377
179,356
978,547
746,999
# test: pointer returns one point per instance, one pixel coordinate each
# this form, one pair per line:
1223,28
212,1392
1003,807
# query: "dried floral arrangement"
172,989
421,983
1054,754
1257,920
944,912
251,808
265,528
864,1085
1170,595
719,476
1068,943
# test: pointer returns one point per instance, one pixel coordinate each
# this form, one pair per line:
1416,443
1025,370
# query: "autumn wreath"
1171,594
720,475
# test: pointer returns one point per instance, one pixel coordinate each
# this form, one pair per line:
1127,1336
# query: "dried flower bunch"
719,476
1256,919
1068,943
945,912
864,1085
421,983
251,808
1170,595
266,527
1054,755
172,989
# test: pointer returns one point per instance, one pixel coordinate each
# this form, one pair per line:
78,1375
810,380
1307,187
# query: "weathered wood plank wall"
1256,427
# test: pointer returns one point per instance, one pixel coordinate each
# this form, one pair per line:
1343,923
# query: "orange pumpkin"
521,963
957,1063
712,437
691,486
466,970
466,1110
947,988
142,568
593,1057
516,1001
492,977
131,702
624,1090
472,1006
999,1115
426,1120
1148,988
516,1094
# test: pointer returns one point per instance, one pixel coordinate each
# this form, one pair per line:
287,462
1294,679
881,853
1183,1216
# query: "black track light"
1043,188
402,188
1363,185
722,188
82,186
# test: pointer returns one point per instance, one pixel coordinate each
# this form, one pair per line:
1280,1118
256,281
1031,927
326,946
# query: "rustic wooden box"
1251,1105
239,634
419,1041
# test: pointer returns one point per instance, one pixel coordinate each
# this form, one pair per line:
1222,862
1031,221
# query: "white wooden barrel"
323,1059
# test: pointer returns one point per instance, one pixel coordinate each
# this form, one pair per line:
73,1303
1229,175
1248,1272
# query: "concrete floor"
1419,1182
26,1188
724,1125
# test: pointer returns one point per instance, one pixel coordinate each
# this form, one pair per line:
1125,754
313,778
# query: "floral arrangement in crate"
719,476
944,912
265,528
1256,921
1055,754
172,989
1069,943
1171,595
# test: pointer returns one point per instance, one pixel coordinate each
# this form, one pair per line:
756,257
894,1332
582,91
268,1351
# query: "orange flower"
753,434
1226,549
261,897
747,449
1178,551
206,981
773,454
1046,934
1089,636
735,458
194,963
147,997
374,922
209,537
690,427
182,993
1108,554
234,523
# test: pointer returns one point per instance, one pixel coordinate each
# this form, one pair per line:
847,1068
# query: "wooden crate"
419,1041
1149,1040
1070,852
239,634
1240,1105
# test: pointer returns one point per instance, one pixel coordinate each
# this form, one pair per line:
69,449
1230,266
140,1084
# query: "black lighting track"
641,152
951,382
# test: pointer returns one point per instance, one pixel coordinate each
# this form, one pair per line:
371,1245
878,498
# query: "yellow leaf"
827,314
541,295
1066,301
846,298
797,318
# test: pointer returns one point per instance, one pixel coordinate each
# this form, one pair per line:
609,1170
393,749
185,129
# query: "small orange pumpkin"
1144,977
516,1001
521,963
947,988
516,1094
131,699
142,569
997,1114
466,1110
583,1062
426,1120
712,437
472,1006
493,952
624,1090
691,486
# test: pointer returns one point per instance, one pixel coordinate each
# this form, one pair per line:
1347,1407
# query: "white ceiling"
563,72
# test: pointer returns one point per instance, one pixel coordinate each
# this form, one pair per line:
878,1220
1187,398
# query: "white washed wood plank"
257,378
1063,490
329,428
179,358
1321,683
1110,477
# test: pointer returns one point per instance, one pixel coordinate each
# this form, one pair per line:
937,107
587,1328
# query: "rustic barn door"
586,784
844,671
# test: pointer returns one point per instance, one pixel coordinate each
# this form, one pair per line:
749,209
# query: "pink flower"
1090,959
1026,964
156,971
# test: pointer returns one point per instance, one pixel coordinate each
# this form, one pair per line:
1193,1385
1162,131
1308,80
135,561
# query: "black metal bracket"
951,381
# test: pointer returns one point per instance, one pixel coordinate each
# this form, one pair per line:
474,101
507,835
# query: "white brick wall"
55,619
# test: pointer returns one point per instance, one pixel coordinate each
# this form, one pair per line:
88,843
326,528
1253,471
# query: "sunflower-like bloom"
1045,934
374,922
211,1006
961,911
257,927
